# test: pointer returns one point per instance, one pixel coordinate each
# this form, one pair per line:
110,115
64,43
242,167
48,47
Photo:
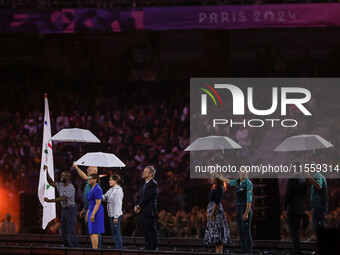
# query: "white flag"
44,189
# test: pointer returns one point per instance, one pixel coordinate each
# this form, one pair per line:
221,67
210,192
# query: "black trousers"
319,217
294,227
149,229
244,229
68,226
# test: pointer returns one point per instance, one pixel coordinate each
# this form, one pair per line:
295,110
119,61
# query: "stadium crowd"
141,128
142,123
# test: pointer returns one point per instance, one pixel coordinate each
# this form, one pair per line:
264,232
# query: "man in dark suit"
293,205
146,206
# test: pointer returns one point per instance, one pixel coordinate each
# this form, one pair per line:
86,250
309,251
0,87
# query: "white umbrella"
75,135
303,143
213,143
100,159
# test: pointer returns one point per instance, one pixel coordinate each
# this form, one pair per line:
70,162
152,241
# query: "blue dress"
98,225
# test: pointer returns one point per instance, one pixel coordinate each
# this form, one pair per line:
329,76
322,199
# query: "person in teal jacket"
318,198
244,197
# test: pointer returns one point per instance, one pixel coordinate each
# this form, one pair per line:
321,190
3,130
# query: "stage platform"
52,244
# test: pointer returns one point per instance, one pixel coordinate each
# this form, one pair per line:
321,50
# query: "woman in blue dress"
95,214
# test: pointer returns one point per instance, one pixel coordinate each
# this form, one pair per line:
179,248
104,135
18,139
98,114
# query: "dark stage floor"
52,244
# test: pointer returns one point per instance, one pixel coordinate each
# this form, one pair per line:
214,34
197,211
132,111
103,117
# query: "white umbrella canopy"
303,143
75,135
100,159
213,143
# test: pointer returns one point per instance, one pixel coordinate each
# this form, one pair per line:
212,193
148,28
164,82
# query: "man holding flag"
44,189
69,209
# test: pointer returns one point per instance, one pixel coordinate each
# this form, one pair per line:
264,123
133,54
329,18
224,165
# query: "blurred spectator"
62,121
7,226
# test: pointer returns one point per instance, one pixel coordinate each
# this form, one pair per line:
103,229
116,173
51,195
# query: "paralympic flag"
44,189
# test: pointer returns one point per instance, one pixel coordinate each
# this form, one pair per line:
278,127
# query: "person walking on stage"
244,195
146,207
217,230
87,188
114,197
318,198
293,205
95,213
69,209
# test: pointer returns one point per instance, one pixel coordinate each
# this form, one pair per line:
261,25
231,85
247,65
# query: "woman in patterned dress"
217,230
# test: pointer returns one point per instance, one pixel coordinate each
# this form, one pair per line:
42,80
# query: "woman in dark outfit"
217,231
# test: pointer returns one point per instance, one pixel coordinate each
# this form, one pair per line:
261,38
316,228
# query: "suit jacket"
147,199
295,195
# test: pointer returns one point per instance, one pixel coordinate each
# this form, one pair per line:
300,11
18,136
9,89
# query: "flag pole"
44,189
